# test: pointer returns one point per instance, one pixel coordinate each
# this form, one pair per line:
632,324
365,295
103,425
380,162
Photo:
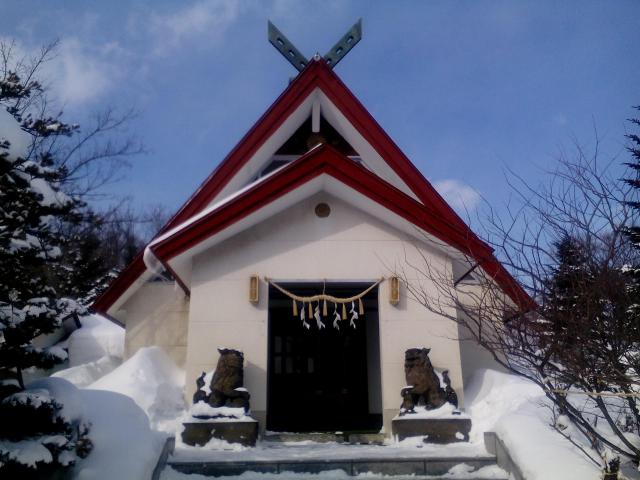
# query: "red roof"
443,221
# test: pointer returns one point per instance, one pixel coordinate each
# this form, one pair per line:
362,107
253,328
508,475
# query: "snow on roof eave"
181,264
211,208
154,266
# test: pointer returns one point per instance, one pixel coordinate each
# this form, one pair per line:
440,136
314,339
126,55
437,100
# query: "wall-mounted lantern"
394,290
254,289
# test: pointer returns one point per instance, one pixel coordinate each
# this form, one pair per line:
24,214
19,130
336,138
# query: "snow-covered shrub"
41,430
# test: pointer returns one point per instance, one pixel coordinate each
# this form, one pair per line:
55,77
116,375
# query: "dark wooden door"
317,378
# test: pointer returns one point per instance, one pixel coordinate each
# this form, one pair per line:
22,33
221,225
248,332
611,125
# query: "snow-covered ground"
134,405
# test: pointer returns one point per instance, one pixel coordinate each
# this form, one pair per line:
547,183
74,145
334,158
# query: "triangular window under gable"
304,139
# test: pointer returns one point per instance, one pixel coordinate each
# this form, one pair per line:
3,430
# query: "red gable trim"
326,160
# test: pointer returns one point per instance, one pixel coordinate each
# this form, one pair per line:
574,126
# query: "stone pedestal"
244,432
435,430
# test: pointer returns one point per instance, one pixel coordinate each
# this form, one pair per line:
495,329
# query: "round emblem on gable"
323,210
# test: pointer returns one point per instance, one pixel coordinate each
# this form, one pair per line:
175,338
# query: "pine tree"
33,213
586,325
633,271
571,304
84,256
31,209
633,231
634,150
564,299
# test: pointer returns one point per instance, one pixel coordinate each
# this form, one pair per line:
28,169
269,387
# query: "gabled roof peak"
316,76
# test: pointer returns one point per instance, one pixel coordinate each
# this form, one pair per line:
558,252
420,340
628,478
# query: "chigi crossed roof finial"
333,56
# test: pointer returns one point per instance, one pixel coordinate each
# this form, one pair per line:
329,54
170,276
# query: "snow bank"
154,382
85,374
125,447
97,338
491,394
515,409
539,451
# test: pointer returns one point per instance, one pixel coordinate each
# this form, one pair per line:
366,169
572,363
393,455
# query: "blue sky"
465,88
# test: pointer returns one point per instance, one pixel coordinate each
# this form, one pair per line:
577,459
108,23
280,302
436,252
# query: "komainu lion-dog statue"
423,385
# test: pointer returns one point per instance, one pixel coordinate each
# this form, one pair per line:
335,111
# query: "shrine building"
316,199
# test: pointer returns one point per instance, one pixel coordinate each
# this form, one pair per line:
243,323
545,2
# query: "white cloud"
210,17
81,73
76,72
460,196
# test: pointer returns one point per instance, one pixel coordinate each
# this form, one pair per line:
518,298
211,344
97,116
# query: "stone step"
323,437
317,437
392,466
502,476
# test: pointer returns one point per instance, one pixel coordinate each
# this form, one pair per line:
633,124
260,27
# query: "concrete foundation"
242,432
434,430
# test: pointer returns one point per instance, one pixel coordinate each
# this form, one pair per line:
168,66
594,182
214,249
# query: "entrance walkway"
334,460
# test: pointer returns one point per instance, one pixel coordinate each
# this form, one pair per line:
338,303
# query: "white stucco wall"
296,245
157,314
